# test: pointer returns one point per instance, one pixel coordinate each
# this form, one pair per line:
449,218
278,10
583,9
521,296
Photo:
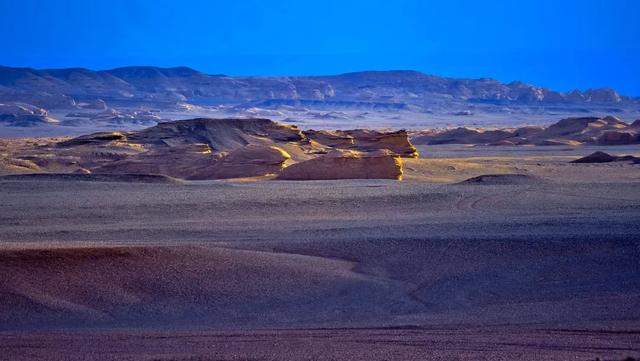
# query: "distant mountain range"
65,88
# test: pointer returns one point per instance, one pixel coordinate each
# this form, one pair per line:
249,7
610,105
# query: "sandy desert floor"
543,268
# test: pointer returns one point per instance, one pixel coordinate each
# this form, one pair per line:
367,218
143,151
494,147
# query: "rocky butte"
219,149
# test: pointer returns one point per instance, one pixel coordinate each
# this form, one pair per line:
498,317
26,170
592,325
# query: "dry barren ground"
355,270
491,344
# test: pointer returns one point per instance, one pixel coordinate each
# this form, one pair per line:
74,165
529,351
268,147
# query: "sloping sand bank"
403,282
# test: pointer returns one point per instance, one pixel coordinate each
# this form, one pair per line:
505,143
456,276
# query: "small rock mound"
503,179
602,157
346,164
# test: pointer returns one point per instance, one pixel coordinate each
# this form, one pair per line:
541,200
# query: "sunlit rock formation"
249,161
365,140
219,149
347,164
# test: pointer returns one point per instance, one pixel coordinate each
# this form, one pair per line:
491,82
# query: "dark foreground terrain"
538,269
505,343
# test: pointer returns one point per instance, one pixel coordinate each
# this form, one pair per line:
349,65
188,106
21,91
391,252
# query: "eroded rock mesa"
219,149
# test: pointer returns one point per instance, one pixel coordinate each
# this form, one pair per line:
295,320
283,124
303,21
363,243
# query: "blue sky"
557,44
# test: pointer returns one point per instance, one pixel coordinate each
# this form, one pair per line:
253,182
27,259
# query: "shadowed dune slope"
310,284
183,286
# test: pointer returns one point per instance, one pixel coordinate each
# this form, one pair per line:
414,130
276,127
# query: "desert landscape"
319,181
237,239
74,101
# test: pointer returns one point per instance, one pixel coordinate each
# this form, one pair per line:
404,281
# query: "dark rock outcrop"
618,138
95,138
602,157
503,179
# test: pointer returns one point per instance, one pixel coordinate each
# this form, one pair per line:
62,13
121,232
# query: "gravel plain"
324,270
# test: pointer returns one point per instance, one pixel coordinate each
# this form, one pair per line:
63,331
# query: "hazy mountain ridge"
64,87
76,100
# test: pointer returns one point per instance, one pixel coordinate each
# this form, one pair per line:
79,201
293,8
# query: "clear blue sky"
558,44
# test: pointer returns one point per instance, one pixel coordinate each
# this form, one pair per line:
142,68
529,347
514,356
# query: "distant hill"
63,88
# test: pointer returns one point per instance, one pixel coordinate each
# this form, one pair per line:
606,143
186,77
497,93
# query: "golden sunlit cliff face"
347,164
217,149
366,140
